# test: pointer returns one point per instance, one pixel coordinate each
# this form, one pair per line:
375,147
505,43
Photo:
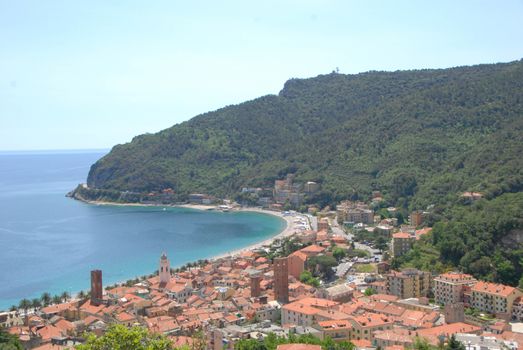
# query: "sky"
92,74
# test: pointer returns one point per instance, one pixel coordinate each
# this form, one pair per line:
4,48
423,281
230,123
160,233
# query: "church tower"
165,270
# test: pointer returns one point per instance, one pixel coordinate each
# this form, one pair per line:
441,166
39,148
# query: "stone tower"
165,270
281,280
96,287
255,284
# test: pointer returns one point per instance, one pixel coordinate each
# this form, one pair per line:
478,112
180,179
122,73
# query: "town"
331,277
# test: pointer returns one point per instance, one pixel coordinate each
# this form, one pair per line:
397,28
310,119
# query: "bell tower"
165,270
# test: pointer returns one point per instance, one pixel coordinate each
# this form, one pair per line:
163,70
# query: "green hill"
421,137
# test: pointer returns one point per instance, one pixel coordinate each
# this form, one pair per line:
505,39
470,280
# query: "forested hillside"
421,137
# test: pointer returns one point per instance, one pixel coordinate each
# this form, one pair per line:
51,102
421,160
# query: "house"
364,325
339,292
296,263
337,330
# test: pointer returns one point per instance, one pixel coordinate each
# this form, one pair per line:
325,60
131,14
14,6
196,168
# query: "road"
337,230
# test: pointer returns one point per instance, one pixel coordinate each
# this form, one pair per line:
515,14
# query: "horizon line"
53,150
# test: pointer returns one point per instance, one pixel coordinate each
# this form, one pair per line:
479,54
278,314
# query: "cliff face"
415,135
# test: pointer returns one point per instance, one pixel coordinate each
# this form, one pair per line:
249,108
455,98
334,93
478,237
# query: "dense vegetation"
420,137
9,341
482,239
272,341
119,337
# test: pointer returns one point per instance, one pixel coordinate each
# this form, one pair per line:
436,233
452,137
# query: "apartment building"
497,299
409,283
449,287
355,212
401,243
305,312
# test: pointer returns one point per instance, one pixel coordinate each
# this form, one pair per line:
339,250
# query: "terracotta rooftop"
493,288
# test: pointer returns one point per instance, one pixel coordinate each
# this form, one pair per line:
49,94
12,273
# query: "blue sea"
49,243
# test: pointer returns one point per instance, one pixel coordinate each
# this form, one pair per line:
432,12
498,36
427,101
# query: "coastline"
288,231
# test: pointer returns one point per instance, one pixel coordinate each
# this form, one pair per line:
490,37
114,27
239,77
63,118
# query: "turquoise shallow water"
50,243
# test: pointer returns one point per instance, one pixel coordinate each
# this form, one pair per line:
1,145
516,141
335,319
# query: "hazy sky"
91,74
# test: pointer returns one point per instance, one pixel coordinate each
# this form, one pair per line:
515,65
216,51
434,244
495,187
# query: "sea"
50,243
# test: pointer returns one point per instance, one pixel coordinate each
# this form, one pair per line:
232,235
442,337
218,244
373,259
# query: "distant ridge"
419,136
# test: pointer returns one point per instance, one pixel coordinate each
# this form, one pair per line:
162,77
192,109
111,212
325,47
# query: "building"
281,280
198,198
482,342
449,287
454,312
416,218
497,299
409,283
340,292
354,212
286,191
164,272
364,325
306,312
96,287
311,187
517,310
471,196
337,330
255,280
296,263
323,224
401,243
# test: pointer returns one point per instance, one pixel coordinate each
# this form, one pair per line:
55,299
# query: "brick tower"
281,280
96,287
255,285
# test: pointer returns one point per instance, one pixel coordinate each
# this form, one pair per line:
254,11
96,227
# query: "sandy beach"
289,230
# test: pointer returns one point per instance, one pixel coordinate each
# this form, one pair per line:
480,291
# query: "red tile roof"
493,288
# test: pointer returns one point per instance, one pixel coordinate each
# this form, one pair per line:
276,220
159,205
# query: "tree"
381,243
369,291
272,341
57,299
423,344
323,264
454,344
119,337
65,296
307,278
9,341
36,303
339,253
46,298
24,304
81,295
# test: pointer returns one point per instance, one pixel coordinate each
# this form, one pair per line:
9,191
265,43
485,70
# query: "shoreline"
288,231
